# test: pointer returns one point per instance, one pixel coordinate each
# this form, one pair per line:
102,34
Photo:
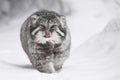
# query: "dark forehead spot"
54,21
47,16
48,19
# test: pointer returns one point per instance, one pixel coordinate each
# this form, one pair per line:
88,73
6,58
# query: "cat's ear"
63,21
34,18
62,28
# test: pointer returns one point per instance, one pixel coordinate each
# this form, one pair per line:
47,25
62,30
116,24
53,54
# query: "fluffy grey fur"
47,54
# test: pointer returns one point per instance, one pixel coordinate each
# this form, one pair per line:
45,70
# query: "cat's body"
46,39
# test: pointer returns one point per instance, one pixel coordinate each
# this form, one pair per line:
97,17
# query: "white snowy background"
95,51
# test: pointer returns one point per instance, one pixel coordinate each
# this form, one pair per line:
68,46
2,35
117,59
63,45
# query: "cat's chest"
48,49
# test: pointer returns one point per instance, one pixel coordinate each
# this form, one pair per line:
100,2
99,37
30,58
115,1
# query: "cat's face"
47,28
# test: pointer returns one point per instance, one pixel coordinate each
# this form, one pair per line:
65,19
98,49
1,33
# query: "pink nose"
47,34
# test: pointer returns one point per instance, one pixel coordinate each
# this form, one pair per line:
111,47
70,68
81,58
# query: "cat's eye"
42,27
53,27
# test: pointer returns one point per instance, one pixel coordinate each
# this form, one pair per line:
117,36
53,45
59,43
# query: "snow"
95,48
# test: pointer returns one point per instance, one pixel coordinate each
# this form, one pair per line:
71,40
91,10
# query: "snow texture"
95,48
114,25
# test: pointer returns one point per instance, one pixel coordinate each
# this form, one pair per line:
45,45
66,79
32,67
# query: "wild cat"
46,40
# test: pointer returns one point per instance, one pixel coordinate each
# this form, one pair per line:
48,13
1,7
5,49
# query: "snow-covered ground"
95,48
